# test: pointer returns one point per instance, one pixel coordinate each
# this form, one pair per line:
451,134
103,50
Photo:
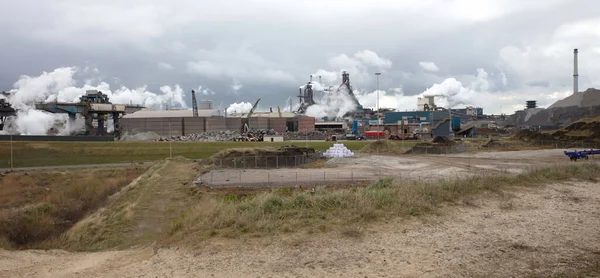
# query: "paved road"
72,166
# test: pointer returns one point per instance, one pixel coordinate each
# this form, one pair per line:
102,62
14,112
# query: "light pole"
170,142
11,153
378,74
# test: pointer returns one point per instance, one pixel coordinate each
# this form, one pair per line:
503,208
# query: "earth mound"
439,145
267,157
381,147
584,130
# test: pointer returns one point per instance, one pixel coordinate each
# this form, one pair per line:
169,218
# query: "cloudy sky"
493,54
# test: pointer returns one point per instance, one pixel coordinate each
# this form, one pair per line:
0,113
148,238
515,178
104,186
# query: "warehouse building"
182,122
425,123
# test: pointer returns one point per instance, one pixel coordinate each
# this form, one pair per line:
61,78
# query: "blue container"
456,122
355,127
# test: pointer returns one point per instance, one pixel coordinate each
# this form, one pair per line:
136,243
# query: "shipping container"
373,133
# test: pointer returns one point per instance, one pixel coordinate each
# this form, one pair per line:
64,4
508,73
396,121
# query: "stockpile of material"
338,150
203,137
303,135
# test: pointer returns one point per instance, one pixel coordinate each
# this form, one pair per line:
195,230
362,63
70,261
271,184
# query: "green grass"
285,211
31,154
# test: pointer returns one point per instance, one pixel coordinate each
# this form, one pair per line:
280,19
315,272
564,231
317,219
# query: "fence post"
268,177
255,161
277,163
234,163
296,163
296,178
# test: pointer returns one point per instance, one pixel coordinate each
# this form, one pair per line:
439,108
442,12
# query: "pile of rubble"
255,135
338,150
212,136
217,136
303,135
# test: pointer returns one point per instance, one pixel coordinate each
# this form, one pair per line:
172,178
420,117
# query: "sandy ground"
551,230
415,167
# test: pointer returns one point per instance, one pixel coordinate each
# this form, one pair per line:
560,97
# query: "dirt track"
361,168
544,231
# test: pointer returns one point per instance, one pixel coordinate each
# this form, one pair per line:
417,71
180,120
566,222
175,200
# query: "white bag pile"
338,150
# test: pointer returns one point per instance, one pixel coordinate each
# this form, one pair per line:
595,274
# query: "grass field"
31,154
286,210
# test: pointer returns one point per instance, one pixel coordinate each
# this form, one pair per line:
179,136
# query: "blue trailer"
576,155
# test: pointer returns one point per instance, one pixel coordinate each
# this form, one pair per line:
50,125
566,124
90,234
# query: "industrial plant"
104,119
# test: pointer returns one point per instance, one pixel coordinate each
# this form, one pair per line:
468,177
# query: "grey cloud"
271,48
539,84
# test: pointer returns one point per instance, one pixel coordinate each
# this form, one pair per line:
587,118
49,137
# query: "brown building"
182,122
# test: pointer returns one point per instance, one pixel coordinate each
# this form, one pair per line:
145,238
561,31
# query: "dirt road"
551,230
368,168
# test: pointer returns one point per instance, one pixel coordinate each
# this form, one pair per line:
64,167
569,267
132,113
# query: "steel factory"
426,121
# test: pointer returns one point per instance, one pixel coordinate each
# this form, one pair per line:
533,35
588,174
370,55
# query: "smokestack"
320,80
575,72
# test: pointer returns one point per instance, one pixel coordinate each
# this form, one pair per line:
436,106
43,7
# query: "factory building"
422,123
182,122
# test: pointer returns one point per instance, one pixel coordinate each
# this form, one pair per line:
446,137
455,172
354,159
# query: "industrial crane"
246,121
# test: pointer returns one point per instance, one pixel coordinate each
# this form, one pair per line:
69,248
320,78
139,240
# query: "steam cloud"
60,85
334,104
239,107
449,93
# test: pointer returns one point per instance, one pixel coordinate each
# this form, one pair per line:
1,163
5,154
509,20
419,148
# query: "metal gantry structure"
6,111
246,120
93,105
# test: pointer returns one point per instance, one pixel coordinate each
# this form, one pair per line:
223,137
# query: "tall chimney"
575,72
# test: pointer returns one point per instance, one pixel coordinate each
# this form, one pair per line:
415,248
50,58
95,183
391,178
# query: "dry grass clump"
38,206
381,147
286,211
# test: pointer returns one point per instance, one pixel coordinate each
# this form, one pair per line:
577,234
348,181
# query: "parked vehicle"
576,155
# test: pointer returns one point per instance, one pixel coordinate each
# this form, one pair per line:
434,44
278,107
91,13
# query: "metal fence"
254,162
501,145
563,144
290,178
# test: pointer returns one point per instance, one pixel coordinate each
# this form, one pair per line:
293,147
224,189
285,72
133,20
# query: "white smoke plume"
205,91
239,107
451,93
334,104
60,85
